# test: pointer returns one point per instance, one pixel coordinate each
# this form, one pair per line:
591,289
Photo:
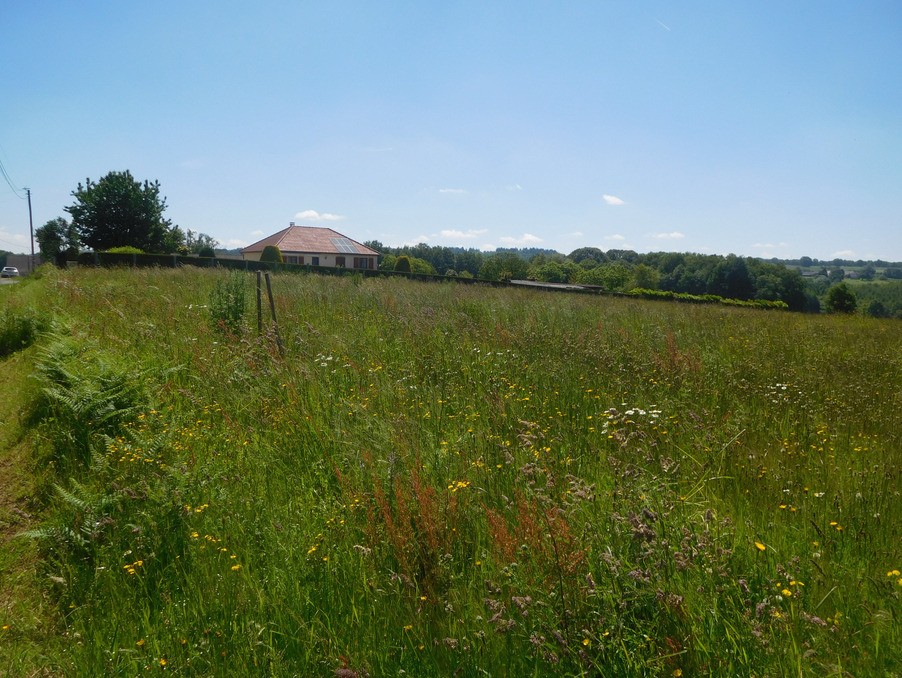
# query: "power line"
10,181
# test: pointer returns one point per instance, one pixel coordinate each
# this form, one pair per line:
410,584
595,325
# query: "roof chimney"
291,223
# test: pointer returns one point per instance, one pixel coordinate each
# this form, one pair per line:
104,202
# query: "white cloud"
844,254
525,240
257,233
770,249
20,240
673,235
313,215
612,200
232,243
468,234
576,234
514,187
417,240
616,236
454,191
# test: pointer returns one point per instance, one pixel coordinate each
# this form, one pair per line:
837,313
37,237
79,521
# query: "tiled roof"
313,240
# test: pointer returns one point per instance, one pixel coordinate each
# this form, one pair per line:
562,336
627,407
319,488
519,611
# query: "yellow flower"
163,661
586,642
140,643
678,672
408,627
760,546
236,567
893,573
787,593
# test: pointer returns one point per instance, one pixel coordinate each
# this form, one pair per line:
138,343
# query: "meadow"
435,479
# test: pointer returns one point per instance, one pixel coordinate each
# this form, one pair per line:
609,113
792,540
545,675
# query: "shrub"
207,252
402,264
841,299
125,249
272,254
227,302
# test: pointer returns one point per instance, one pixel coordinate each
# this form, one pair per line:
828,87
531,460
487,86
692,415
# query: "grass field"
438,479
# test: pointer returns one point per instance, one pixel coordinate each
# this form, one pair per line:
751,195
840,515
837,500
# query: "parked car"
9,272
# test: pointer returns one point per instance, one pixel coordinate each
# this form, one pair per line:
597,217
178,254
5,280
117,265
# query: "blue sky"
759,128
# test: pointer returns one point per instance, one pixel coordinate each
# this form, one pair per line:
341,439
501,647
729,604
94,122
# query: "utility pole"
30,229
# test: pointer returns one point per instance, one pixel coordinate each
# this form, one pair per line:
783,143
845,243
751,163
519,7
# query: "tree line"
118,213
730,277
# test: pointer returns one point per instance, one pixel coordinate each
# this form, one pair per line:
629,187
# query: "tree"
272,254
645,277
198,243
504,266
841,299
876,309
118,211
402,264
57,238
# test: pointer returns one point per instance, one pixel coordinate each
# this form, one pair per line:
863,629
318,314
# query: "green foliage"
402,264
118,210
876,309
840,299
886,293
407,264
228,302
83,395
200,243
272,254
57,238
477,480
614,276
20,328
125,249
504,266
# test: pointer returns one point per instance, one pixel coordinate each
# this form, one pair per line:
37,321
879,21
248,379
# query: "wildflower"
893,573
408,627
140,643
587,642
786,593
163,661
236,567
760,546
678,672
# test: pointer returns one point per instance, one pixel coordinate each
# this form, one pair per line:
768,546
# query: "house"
314,246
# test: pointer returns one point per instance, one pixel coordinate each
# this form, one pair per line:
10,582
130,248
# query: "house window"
363,262
301,260
290,259
314,261
340,262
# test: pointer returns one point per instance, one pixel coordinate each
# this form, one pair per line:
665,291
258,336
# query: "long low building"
315,246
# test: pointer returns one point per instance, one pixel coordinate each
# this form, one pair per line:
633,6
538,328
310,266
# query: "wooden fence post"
272,309
259,303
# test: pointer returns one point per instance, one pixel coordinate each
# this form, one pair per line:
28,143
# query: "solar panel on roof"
344,245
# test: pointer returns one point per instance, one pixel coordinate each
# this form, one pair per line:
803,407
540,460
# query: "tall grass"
439,478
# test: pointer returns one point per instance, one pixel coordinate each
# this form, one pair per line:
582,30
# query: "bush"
207,252
402,264
841,299
272,254
125,249
227,302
